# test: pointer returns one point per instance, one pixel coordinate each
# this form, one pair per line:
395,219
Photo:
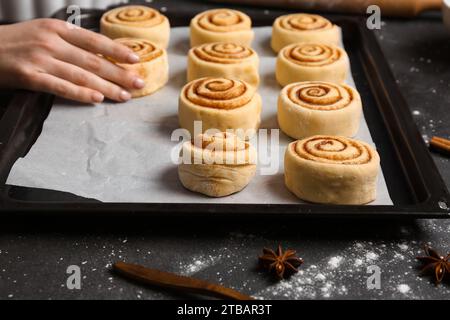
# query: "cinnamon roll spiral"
221,25
302,22
311,108
219,93
217,165
136,22
312,62
321,95
316,55
334,150
294,28
332,169
153,67
222,52
223,59
219,103
146,50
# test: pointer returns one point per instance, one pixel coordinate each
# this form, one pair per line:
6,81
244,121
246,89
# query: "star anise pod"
433,261
281,263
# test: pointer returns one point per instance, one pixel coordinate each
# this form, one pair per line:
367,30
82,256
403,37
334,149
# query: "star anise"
434,261
281,263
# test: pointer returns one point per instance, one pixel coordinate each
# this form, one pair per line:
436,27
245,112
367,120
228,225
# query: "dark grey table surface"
34,256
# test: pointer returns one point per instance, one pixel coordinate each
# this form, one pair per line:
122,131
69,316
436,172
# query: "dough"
136,22
310,108
332,170
312,62
220,104
226,60
153,67
301,27
217,165
221,25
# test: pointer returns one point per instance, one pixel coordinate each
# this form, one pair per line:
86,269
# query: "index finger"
99,44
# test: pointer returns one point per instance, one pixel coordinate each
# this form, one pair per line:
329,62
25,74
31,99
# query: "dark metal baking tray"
414,183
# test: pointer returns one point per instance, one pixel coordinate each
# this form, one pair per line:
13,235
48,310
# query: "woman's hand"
53,56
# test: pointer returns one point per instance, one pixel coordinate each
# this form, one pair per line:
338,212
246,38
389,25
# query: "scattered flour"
371,256
308,283
320,277
403,288
199,263
335,262
399,256
329,278
358,262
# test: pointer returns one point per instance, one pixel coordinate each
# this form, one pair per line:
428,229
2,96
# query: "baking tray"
414,183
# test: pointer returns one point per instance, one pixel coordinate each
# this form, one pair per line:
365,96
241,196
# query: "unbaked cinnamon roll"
136,22
153,67
222,59
221,25
301,27
332,170
312,62
217,165
310,108
221,104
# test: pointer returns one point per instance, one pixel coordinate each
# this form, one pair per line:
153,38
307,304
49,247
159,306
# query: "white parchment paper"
122,152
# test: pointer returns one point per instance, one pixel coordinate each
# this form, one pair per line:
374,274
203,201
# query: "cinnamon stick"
175,282
440,145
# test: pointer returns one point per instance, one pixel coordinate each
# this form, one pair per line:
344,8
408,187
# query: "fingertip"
139,83
133,58
125,96
97,97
